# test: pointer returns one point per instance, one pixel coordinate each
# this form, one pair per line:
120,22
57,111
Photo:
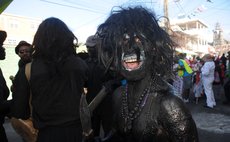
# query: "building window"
13,24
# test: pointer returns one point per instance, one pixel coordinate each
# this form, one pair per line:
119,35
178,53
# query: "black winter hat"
21,43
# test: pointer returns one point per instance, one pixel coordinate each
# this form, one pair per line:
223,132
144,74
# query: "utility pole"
166,21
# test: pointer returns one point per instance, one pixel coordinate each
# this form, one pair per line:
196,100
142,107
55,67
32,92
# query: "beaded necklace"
129,116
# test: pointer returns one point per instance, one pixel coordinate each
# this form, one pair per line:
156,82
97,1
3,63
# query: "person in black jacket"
97,78
56,83
224,61
4,91
227,83
24,51
218,80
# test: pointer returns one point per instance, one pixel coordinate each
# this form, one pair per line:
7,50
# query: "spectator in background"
102,115
56,83
178,80
224,60
207,77
227,84
197,84
223,70
4,92
24,51
228,61
96,70
185,71
218,80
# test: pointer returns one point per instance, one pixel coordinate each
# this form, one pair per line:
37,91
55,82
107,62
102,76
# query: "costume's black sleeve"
177,120
114,135
4,93
5,107
20,107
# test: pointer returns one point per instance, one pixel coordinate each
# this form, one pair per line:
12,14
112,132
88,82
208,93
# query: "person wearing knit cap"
24,51
102,115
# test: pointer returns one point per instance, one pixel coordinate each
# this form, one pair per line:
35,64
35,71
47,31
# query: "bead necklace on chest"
130,115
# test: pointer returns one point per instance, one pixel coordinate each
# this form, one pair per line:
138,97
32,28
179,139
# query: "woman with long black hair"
56,83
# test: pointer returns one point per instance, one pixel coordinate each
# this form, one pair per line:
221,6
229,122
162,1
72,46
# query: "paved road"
213,124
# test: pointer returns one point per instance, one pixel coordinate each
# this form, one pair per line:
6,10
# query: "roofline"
19,16
184,21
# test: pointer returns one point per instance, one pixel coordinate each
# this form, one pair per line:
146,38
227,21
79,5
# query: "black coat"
55,91
4,94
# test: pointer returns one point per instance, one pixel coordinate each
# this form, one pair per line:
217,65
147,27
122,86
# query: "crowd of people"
206,76
58,77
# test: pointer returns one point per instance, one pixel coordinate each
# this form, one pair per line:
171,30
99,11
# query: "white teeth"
131,60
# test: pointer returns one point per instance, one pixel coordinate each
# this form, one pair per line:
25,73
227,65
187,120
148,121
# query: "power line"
79,8
90,21
75,7
180,7
86,4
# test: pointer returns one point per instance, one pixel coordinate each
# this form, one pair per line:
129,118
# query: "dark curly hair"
142,23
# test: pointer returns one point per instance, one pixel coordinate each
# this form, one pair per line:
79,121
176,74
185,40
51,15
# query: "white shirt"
208,69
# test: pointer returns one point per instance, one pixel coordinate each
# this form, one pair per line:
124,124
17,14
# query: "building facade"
18,28
193,36
221,46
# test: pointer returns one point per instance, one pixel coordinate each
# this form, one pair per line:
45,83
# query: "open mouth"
132,62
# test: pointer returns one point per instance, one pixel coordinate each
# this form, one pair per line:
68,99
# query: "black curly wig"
140,24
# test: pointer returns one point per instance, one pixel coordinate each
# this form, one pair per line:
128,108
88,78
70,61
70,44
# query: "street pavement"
213,124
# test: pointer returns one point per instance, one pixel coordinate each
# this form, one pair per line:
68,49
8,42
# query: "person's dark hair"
217,62
3,36
54,41
142,23
198,58
83,55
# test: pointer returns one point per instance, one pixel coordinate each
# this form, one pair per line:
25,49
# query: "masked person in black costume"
145,110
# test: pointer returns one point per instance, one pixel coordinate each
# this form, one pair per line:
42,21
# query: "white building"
18,28
196,35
